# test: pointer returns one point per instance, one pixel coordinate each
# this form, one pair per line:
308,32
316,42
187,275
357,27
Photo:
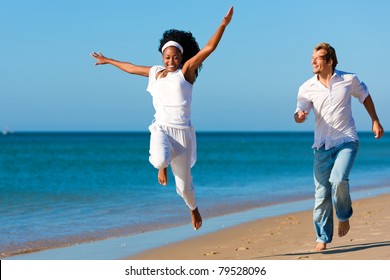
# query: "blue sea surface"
60,189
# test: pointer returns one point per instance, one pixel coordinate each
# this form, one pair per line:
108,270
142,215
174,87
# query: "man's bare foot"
343,228
321,246
162,176
196,218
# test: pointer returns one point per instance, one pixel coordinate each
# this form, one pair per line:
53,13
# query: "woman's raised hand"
101,59
228,17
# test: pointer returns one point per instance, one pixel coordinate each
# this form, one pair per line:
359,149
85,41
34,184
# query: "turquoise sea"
60,189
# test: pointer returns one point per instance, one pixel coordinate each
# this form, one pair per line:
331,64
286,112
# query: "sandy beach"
289,237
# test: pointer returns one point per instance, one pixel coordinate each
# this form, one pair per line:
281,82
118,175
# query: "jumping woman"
172,139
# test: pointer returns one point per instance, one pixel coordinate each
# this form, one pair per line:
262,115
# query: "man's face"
319,64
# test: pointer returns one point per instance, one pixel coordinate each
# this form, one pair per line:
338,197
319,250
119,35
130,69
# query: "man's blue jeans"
331,172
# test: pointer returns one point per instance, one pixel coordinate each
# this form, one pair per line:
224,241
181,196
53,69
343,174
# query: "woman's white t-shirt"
172,96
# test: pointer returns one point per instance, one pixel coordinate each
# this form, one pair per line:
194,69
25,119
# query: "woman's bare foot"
321,246
196,218
343,228
162,176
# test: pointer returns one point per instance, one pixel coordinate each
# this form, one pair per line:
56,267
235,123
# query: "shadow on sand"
335,250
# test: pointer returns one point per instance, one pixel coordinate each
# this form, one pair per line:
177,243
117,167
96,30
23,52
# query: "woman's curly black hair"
186,40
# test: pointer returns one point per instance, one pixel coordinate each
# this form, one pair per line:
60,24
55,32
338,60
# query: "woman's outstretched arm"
125,66
189,68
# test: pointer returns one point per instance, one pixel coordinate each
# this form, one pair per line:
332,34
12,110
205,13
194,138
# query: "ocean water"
59,189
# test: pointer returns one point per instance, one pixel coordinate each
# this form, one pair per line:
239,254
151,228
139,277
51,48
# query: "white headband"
172,44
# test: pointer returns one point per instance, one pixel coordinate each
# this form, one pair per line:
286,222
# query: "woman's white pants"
176,147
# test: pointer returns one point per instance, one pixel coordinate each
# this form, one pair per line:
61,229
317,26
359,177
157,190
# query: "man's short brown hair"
330,53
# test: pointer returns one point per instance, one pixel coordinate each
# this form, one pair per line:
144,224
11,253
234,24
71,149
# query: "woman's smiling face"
172,58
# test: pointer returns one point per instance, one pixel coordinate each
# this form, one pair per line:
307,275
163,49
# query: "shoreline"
58,245
289,237
135,245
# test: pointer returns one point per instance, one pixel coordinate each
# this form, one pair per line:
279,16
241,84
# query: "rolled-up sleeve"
303,103
359,89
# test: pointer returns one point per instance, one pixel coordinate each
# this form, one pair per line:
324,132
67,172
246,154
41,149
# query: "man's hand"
300,116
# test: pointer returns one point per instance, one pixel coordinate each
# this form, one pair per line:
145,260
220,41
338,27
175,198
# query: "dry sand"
289,237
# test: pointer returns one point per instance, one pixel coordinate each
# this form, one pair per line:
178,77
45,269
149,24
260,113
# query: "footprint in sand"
211,253
291,220
242,248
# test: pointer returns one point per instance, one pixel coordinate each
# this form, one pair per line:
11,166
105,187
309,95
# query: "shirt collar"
337,76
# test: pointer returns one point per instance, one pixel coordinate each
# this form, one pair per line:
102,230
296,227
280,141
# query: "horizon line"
147,131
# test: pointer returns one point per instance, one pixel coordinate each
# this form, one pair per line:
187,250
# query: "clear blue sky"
48,81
